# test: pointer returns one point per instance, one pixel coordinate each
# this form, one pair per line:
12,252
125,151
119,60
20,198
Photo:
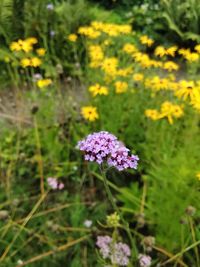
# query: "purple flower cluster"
97,146
50,6
104,242
120,159
144,260
103,146
54,184
118,253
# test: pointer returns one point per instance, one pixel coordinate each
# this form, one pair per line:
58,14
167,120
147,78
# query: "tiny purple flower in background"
60,186
87,223
54,184
52,33
37,76
103,242
104,147
118,253
50,6
144,260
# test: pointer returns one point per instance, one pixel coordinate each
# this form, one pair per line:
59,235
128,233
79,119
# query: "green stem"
194,240
115,207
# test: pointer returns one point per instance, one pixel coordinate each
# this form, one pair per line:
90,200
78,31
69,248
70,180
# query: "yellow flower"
192,57
15,46
89,113
129,48
170,66
160,51
109,65
195,99
156,83
198,176
72,37
110,29
44,83
113,220
25,62
184,51
35,62
171,110
97,89
197,48
125,29
32,40
168,110
120,87
140,57
137,77
26,46
89,32
41,52
145,40
171,50
186,89
144,60
124,72
156,63
96,56
152,114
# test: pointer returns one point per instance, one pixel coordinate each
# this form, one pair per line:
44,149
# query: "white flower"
19,262
87,223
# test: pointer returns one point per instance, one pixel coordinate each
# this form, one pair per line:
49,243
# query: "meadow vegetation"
100,125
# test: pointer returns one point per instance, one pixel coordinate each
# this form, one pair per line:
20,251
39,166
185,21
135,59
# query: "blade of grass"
51,252
28,217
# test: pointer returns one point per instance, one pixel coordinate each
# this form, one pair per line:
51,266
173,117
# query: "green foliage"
38,140
182,17
60,217
171,180
6,11
177,20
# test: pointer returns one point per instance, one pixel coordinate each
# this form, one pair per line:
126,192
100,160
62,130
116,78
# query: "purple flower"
50,6
104,147
117,253
54,184
144,260
60,186
103,242
97,146
120,254
52,33
121,159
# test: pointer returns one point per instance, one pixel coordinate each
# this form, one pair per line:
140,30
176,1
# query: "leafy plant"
182,18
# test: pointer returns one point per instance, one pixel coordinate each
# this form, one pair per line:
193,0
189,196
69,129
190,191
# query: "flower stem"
115,207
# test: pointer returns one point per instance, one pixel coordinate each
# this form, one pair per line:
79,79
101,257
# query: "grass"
41,126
